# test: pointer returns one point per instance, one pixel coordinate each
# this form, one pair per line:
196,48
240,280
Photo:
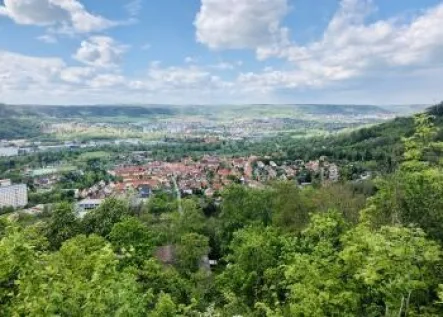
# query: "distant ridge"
149,110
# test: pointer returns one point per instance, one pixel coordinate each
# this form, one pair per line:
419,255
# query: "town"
206,176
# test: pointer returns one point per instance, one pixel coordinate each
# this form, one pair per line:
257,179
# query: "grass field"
94,155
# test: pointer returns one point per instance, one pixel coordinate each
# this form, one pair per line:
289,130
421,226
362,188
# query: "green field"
94,155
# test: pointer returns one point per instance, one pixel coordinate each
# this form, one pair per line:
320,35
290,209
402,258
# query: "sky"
221,51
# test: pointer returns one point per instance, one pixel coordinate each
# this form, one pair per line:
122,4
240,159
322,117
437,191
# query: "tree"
315,280
291,207
254,253
18,257
242,206
395,268
62,225
413,194
191,218
162,203
79,280
190,251
165,307
420,149
101,220
132,236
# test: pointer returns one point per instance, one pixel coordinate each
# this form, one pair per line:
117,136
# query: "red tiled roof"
224,172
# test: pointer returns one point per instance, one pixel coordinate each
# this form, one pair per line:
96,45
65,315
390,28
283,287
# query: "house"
89,204
86,205
224,172
145,191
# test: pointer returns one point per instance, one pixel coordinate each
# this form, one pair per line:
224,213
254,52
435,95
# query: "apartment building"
8,151
13,195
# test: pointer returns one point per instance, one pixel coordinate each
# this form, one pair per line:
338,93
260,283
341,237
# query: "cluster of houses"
206,176
213,173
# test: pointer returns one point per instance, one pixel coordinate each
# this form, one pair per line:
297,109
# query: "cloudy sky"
221,51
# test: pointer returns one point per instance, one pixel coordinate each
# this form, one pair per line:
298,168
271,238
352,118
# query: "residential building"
13,195
5,182
8,151
88,204
84,206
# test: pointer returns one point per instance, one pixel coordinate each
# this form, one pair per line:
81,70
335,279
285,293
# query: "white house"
88,204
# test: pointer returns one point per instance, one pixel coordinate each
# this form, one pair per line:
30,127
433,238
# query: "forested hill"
342,110
83,111
24,121
221,111
382,143
386,137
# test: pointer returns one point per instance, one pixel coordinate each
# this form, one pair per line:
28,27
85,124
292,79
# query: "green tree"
191,218
242,206
315,279
132,236
291,207
79,280
165,307
421,149
190,251
254,252
62,225
18,257
156,278
101,220
413,194
394,268
162,203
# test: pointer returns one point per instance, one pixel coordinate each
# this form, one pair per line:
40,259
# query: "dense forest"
12,128
335,250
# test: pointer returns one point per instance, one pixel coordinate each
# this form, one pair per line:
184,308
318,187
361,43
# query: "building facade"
8,151
14,196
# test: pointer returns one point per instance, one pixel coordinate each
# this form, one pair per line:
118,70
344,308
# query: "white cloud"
34,12
351,48
25,79
236,24
107,81
223,66
191,60
47,38
100,51
77,75
133,7
65,15
21,72
385,61
173,77
146,47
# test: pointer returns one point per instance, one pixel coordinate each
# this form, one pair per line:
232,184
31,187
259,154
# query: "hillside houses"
213,173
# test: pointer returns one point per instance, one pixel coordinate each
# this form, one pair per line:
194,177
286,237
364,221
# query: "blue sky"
221,51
